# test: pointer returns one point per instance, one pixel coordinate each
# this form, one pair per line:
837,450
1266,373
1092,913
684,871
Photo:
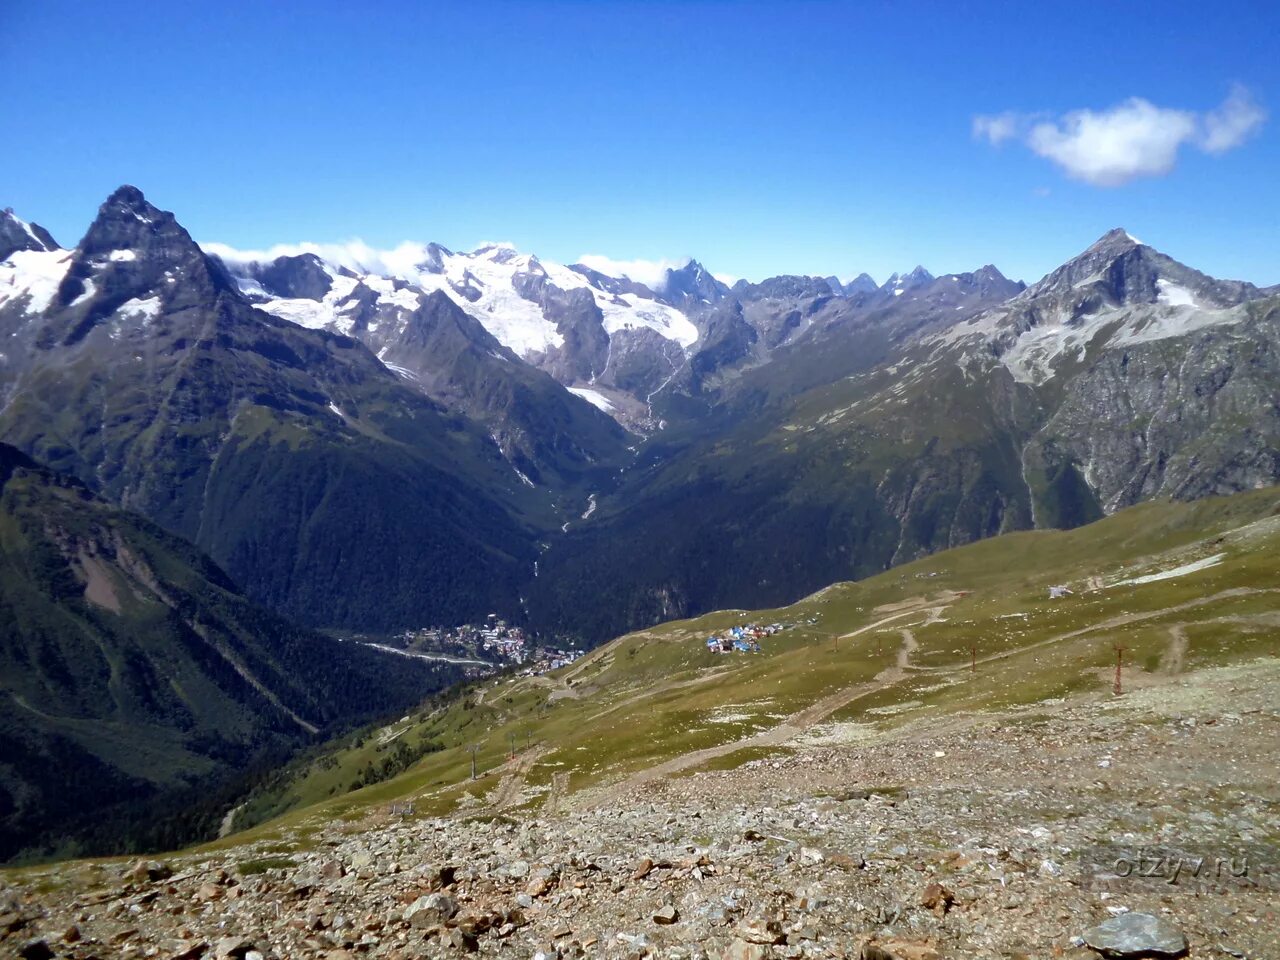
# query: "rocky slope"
934,844
421,331
18,236
1157,380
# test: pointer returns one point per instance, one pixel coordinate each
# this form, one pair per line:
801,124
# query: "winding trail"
1175,658
664,687
793,726
1108,624
902,667
414,655
909,646
559,781
510,786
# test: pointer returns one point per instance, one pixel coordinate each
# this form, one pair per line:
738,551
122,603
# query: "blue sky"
760,138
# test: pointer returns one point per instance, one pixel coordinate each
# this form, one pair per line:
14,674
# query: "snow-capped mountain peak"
524,301
1118,291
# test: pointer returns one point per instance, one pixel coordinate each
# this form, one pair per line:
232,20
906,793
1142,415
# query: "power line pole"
1119,664
473,748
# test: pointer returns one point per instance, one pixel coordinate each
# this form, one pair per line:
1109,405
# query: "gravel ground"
991,835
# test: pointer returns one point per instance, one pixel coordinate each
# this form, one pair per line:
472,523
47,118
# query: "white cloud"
1231,124
355,255
1133,139
996,128
652,273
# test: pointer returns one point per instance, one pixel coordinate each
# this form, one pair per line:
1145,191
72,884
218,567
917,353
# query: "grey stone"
1136,935
430,910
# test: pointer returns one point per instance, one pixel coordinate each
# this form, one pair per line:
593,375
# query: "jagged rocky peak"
612,285
300,277
862,283
987,282
434,259
128,221
16,234
692,282
785,287
901,282
136,251
498,252
1120,270
132,234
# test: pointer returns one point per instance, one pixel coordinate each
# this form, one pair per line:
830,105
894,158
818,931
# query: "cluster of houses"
503,640
742,639
546,659
494,641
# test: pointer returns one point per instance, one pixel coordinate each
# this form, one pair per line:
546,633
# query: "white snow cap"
489,273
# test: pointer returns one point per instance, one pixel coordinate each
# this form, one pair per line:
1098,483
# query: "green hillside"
1177,586
132,668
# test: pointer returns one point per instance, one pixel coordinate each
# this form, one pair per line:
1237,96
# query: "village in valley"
495,641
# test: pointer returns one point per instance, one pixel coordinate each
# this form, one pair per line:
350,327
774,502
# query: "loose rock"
1137,935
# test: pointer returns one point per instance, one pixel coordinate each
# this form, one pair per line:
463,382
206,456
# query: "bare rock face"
1150,420
18,235
937,898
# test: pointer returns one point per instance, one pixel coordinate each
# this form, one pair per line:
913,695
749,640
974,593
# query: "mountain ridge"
852,429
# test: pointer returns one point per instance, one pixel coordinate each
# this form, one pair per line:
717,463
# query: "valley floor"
1002,832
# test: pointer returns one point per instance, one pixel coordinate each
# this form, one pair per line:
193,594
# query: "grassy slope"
655,695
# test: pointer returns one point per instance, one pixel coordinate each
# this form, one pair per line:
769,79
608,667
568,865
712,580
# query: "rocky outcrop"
1185,417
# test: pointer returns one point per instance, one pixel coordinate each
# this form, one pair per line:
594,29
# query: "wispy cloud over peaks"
355,255
652,273
1133,139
